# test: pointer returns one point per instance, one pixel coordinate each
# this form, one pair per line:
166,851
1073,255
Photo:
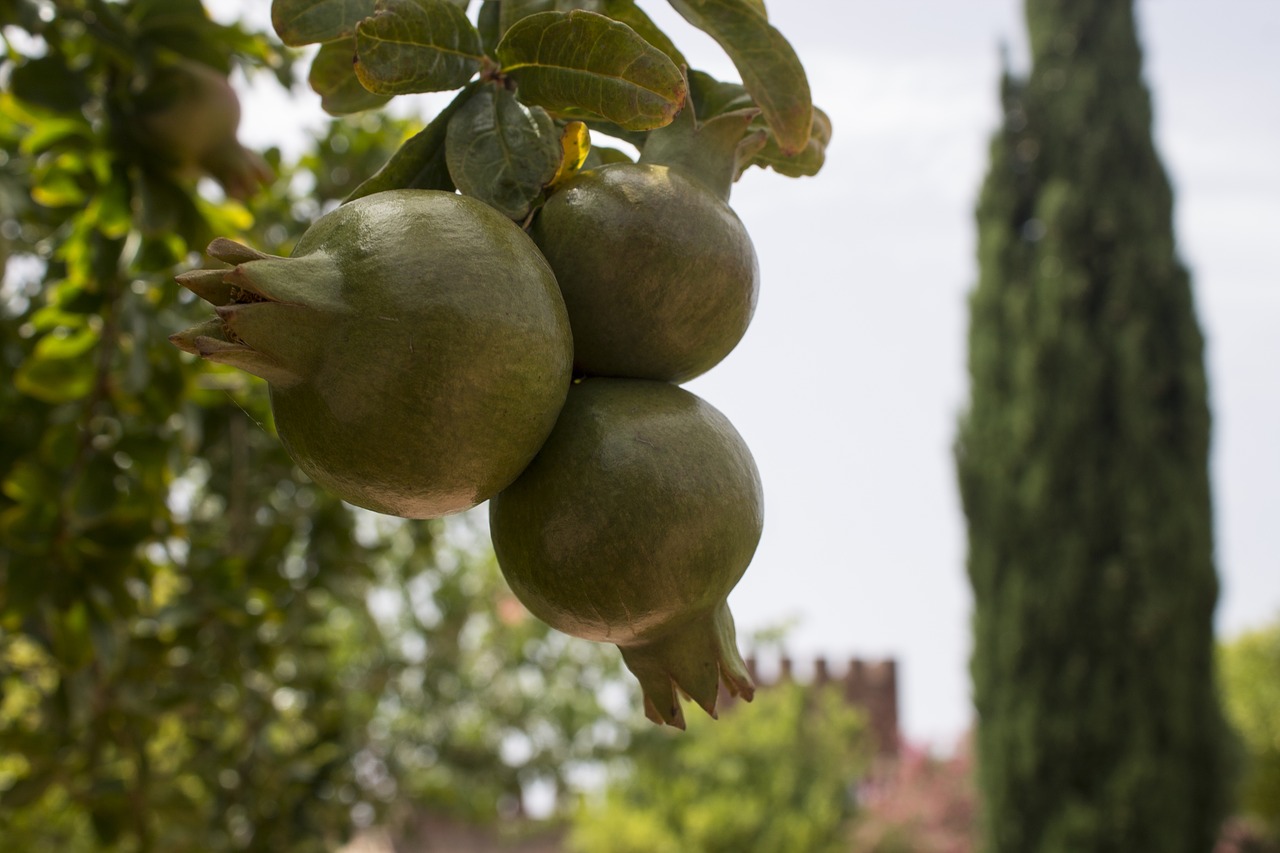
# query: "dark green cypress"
1083,466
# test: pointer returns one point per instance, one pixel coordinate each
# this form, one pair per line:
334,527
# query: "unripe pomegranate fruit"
659,275
189,116
416,347
631,525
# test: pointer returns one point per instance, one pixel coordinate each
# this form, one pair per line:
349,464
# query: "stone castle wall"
868,685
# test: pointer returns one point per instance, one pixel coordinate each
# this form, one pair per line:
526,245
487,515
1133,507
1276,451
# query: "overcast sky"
848,384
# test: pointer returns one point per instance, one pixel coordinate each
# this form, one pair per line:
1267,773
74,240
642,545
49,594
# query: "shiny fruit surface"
416,347
631,526
658,274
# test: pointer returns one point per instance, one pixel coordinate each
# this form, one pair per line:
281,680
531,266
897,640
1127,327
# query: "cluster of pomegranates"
425,354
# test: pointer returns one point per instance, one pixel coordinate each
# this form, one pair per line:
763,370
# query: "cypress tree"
1083,467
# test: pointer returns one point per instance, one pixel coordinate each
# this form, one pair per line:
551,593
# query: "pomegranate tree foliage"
538,80
535,74
188,658
776,776
188,654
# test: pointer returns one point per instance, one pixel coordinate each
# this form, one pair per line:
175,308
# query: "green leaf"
805,163
60,369
716,104
111,209
516,10
333,77
502,152
28,529
300,22
29,482
633,16
24,13
608,128
420,163
59,183
417,46
583,65
67,345
712,97
601,155
152,13
29,789
488,22
181,26
770,69
109,811
164,209
48,82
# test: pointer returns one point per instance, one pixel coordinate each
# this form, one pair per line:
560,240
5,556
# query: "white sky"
848,383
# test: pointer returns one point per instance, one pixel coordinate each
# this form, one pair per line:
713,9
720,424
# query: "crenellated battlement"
869,685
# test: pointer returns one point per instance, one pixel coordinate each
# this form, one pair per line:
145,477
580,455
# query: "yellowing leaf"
575,145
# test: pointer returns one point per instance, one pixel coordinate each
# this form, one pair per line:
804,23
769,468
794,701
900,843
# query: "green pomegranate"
415,344
631,526
189,116
658,273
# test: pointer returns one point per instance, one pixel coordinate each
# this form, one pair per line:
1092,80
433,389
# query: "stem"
238,511
705,151
138,794
107,254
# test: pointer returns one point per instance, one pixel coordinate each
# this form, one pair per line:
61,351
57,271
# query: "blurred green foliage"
1249,667
200,650
486,700
775,776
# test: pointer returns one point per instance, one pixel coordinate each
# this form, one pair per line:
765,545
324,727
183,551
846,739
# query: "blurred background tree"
199,650
1083,465
776,776
1250,675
